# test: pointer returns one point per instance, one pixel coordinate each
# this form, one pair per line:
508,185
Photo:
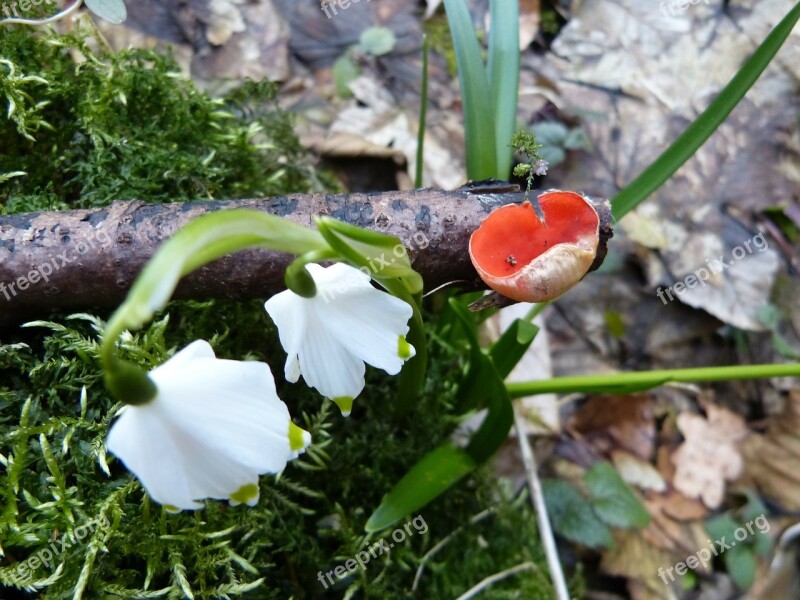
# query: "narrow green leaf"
621,383
483,386
431,476
423,111
701,129
475,96
499,416
383,256
512,345
503,75
612,499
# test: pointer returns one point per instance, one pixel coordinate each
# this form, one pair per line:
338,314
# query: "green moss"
128,125
124,126
309,520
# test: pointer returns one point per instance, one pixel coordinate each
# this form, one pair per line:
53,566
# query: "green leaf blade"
572,515
429,478
612,499
503,75
475,94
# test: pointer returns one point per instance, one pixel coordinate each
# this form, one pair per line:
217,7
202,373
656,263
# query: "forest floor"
704,273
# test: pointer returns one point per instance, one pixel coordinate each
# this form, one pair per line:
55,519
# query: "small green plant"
525,142
587,521
374,42
556,138
488,91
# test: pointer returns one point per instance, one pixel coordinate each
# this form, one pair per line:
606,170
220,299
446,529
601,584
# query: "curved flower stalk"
200,242
330,336
199,427
213,427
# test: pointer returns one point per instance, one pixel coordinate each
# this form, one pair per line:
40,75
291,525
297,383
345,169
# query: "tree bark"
83,260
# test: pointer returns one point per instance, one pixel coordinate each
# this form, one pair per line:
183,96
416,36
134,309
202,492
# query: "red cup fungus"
532,260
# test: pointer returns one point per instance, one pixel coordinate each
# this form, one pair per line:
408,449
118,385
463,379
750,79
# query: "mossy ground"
126,126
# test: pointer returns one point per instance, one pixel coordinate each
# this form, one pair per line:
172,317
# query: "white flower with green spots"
214,427
329,337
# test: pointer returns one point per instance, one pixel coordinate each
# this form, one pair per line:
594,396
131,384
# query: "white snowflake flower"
214,426
329,337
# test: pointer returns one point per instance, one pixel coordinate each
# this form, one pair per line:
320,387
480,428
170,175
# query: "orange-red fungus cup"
528,260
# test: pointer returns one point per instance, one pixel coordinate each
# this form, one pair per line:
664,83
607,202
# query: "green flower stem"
423,110
712,117
623,383
297,277
201,241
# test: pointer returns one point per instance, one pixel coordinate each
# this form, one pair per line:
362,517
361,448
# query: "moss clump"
128,125
58,479
125,126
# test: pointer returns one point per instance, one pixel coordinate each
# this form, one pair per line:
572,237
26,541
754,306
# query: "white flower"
329,337
213,428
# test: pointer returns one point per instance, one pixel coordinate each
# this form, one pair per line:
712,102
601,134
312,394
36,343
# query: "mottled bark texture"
87,259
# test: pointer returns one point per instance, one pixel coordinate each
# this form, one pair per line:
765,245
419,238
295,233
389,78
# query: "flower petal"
214,426
327,366
232,407
329,337
175,470
173,366
288,311
368,322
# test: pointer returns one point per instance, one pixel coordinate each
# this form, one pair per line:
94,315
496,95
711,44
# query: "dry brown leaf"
709,454
771,459
617,422
374,117
681,508
634,557
635,471
668,531
225,20
530,16
649,75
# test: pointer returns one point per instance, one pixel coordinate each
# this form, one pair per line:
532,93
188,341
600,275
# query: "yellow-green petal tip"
247,494
345,404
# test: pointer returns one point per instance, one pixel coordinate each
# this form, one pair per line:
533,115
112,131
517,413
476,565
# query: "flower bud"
130,384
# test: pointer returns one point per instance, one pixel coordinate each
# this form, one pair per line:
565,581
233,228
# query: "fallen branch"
87,259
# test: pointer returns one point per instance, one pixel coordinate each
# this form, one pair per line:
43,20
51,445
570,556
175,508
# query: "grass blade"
477,103
423,110
503,75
